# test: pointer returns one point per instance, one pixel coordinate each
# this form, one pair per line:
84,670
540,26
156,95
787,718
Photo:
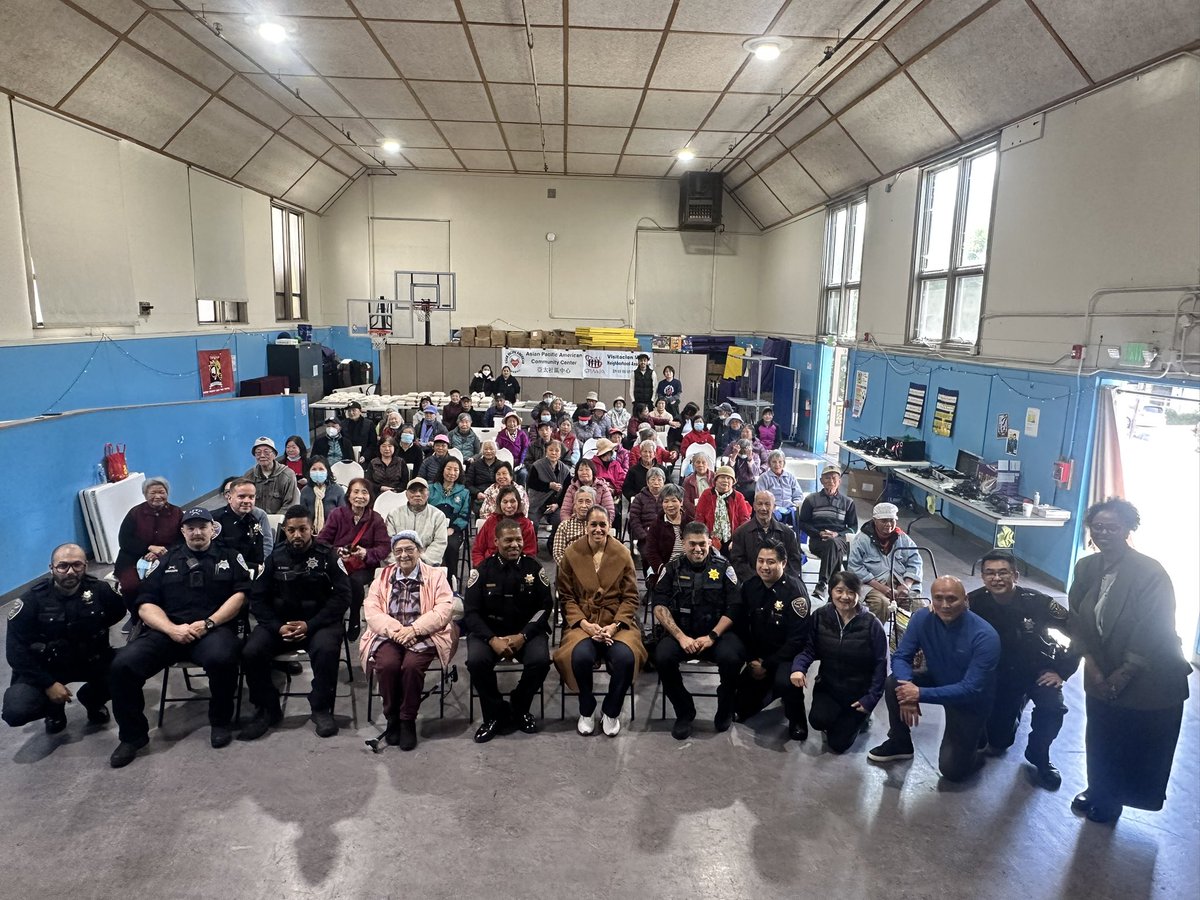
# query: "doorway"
833,398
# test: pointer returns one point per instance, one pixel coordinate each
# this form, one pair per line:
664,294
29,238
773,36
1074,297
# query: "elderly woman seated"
645,508
597,587
508,506
570,530
585,476
147,532
409,612
503,478
664,541
547,483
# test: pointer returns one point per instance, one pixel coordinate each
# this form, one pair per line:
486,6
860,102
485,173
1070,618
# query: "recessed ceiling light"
390,147
272,31
766,48
687,154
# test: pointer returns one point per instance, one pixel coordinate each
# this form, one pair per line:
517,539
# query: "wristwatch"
209,625
713,636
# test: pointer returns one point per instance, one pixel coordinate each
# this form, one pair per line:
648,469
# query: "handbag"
115,466
353,563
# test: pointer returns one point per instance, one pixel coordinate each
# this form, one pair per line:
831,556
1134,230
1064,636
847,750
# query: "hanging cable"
537,91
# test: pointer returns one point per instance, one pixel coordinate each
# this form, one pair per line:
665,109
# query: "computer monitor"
968,463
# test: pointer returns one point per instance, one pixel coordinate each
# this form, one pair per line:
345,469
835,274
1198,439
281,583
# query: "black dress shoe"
526,723
260,724
56,721
797,731
126,752
325,724
292,668
487,731
220,736
1082,802
1048,776
391,737
682,729
1104,813
408,734
98,715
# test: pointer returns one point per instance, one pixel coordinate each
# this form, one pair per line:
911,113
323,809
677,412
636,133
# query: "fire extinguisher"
807,407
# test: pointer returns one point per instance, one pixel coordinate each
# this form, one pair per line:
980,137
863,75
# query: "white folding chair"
388,501
344,472
589,448
706,449
505,454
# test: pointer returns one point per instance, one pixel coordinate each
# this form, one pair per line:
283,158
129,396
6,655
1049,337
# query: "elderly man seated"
763,530
429,522
886,561
274,483
829,519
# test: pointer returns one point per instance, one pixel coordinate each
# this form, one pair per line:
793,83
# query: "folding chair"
445,681
505,669
301,656
692,667
599,667
344,472
899,616
186,666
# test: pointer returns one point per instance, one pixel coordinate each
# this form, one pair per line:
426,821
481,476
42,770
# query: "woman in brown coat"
597,586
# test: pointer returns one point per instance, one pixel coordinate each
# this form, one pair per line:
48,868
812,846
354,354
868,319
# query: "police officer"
774,629
57,634
189,604
1032,665
506,613
244,527
696,603
299,603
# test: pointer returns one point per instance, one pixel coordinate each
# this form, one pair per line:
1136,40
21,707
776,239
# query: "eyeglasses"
1101,528
63,568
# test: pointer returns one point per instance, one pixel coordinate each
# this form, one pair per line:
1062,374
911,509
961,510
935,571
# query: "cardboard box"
483,334
466,337
497,339
866,484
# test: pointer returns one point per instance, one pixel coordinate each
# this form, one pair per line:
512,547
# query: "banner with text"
550,362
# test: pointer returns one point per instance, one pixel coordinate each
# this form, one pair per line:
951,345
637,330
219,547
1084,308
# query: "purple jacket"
516,445
340,529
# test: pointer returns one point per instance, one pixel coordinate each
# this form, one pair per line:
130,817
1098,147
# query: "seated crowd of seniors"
720,540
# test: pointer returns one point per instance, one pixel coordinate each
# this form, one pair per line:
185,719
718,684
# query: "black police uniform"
307,585
1026,652
189,586
53,638
506,598
241,534
774,627
697,596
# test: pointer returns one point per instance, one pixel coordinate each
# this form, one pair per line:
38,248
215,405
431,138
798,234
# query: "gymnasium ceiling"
623,84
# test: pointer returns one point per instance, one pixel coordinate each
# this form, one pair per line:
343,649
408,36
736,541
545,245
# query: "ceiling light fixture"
687,154
766,48
390,147
272,31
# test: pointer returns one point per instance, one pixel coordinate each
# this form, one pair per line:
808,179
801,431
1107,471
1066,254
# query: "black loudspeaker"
700,201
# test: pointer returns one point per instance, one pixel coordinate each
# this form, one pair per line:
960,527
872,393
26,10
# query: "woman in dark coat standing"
1122,619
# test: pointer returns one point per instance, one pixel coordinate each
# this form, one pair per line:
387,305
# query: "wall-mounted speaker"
700,201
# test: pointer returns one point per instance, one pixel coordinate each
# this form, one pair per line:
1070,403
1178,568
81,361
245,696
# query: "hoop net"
422,309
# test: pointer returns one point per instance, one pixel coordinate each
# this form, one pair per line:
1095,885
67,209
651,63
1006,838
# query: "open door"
833,400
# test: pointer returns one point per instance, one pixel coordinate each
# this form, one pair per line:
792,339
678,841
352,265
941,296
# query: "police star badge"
529,579
222,565
86,596
713,574
778,606
312,563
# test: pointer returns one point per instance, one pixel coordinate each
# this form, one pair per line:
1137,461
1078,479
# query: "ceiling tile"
323,98
611,58
1113,37
283,95
120,14
342,161
829,18
602,106
921,28
785,73
743,17
134,94
305,8
515,103
592,139
763,154
651,142
237,31
428,50
428,10
807,120
315,188
742,112
895,126
791,184
620,13
529,137
337,48
655,166
358,129
476,135
968,78
864,74
763,205
276,167
382,98
304,135
160,39
220,138
738,175
448,100
714,143
833,161
504,54
541,12
532,162
248,98
410,132
45,48
485,160
697,62
591,163
675,109
432,159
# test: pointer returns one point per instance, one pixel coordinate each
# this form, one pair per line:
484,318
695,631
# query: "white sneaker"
611,726
586,725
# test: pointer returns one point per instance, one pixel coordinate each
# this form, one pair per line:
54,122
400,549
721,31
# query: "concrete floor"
737,815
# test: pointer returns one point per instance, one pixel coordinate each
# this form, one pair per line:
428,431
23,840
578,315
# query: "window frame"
845,284
225,312
954,272
291,303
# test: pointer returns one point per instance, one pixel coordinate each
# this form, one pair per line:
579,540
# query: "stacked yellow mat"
607,338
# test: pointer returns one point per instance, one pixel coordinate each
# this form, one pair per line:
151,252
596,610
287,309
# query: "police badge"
86,596
16,610
312,563
800,606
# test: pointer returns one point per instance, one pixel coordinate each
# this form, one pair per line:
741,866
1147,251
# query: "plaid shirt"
405,602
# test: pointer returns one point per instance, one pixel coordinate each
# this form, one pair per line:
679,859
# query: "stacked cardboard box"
466,337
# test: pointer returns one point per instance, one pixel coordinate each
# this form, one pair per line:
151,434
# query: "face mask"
406,438
697,426
544,418
332,432
318,476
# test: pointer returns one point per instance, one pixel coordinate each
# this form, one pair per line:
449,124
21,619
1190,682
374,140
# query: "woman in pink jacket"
409,612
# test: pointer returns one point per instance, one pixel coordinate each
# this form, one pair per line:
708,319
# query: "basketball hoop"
422,310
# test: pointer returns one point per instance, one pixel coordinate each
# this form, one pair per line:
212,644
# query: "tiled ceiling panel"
623,83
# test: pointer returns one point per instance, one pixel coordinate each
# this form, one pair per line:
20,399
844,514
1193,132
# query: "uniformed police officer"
774,628
696,602
243,527
58,634
299,603
189,604
506,614
1032,665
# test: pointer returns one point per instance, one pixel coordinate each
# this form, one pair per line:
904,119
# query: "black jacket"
362,434
775,621
643,386
321,448
750,537
309,585
1026,649
506,598
509,387
191,585
698,596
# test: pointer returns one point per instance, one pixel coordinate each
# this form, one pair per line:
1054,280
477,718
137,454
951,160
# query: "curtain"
1108,478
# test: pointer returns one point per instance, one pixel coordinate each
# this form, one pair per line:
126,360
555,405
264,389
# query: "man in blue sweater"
961,653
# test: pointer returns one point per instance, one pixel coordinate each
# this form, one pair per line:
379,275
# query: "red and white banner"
550,362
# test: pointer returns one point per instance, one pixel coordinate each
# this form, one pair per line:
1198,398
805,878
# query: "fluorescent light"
390,147
687,154
272,31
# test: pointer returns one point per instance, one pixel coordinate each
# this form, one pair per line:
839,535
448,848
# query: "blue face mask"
544,418
318,476
406,438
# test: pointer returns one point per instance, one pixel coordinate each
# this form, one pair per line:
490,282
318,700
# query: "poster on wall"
860,393
216,372
1005,537
914,406
549,362
944,412
1033,417
1002,425
1012,442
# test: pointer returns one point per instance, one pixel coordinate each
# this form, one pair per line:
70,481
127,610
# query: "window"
955,215
217,312
844,229
287,243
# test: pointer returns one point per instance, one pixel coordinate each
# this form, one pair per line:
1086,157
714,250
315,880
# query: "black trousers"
135,663
620,677
832,553
753,694
324,648
481,663
25,703
837,718
959,754
728,653
453,548
359,582
1045,721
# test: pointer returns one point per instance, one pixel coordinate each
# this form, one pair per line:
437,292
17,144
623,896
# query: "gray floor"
737,815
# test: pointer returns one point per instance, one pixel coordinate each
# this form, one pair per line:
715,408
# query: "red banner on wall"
216,372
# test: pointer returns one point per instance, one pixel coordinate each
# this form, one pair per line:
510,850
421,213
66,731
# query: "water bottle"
1037,498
